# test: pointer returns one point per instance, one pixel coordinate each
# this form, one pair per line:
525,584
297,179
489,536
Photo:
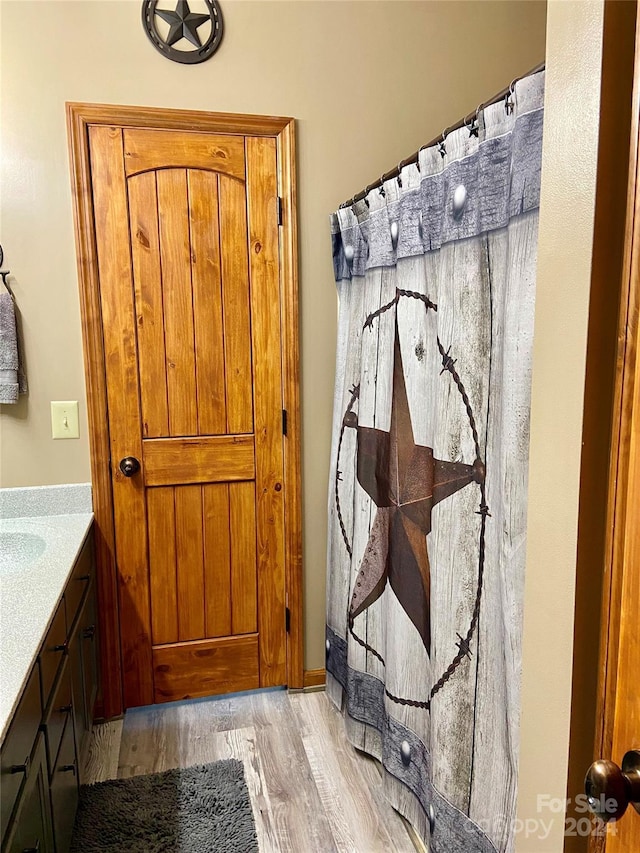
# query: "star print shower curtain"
428,484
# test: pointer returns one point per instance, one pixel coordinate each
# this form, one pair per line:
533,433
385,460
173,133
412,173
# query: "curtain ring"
472,126
442,148
508,99
381,189
476,121
367,190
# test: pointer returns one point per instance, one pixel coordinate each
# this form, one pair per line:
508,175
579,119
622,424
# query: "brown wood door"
187,250
624,695
619,712
622,668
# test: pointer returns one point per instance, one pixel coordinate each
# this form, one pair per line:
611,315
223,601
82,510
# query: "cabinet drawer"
59,711
78,582
53,651
64,789
17,746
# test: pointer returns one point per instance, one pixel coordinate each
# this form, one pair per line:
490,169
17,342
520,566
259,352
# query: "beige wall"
368,83
567,206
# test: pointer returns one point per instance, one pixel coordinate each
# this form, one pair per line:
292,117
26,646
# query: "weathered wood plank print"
427,501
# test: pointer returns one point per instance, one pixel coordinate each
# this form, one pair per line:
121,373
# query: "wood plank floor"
310,789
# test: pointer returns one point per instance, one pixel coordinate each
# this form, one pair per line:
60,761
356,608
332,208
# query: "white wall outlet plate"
64,419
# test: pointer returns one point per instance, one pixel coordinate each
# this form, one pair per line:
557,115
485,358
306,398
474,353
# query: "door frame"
79,117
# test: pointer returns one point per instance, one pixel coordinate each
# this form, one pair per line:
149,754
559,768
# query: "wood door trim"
286,152
627,373
80,117
110,702
158,118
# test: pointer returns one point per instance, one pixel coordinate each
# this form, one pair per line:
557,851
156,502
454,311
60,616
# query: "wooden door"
186,230
619,717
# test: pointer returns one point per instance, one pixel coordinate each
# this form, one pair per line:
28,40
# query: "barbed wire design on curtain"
473,473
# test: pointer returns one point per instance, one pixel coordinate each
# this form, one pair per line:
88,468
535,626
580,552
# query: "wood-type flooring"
311,791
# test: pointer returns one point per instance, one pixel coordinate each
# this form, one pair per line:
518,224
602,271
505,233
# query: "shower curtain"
428,479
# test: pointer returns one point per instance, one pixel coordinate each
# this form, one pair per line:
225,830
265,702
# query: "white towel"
12,379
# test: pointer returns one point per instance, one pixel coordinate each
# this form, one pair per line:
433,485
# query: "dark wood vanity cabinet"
32,829
17,748
45,748
83,658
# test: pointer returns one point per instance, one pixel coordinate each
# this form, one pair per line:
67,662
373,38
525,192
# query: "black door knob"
129,466
610,789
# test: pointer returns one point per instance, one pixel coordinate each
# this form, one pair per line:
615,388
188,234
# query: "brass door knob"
610,789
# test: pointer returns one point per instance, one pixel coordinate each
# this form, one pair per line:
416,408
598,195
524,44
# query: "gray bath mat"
202,809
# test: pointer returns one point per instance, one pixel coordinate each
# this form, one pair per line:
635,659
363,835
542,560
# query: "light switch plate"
64,419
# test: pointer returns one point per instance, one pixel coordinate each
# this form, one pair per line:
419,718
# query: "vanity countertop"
42,531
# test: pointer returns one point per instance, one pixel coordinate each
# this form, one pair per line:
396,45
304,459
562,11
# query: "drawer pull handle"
89,632
84,578
65,709
68,768
21,768
35,849
62,647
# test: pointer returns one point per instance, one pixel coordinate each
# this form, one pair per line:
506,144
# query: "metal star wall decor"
183,25
405,481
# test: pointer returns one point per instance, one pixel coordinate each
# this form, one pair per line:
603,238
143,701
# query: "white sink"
19,549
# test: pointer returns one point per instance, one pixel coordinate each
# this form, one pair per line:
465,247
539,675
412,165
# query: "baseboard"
313,678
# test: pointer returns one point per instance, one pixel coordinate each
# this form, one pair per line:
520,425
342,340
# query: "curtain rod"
472,117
